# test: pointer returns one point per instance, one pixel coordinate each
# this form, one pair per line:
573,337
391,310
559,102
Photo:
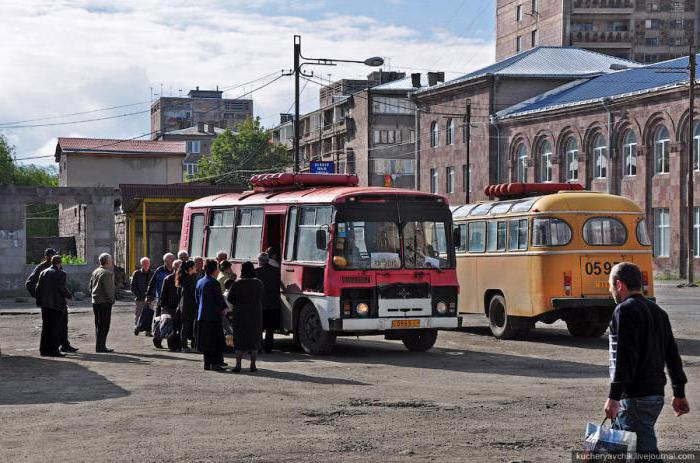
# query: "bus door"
274,228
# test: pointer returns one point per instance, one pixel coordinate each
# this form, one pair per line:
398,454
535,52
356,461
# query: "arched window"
600,157
545,162
696,147
661,157
434,134
629,153
450,131
521,163
571,158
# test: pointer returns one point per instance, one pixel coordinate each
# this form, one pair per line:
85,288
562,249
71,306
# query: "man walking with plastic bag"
641,344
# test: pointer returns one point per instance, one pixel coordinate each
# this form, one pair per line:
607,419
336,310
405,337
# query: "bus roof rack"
524,190
289,181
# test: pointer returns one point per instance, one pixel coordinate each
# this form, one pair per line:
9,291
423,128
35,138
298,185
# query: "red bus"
354,260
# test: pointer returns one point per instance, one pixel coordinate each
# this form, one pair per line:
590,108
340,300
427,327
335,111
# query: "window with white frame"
450,131
662,233
466,178
518,44
392,105
190,168
600,157
433,180
434,134
696,232
661,156
521,163
696,146
571,157
193,146
519,13
450,179
629,154
545,162
533,37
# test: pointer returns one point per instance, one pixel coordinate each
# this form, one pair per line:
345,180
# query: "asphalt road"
472,398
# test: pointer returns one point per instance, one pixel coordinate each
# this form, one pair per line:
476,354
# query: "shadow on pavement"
289,376
460,360
35,380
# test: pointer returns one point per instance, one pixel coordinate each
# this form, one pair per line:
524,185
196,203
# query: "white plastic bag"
601,439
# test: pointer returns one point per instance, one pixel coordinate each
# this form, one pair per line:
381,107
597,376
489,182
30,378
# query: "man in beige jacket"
102,290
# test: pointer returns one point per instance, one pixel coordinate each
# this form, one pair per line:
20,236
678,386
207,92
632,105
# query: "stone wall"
98,226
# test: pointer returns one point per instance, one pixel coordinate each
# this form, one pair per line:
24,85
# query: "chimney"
200,126
432,78
415,80
210,128
441,76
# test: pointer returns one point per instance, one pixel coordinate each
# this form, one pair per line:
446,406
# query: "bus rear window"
604,231
550,232
643,234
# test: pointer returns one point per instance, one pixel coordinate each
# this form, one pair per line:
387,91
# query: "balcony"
600,7
602,39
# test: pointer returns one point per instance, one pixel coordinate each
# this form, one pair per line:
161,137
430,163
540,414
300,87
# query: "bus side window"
477,236
290,238
496,236
517,234
220,232
462,237
248,234
196,234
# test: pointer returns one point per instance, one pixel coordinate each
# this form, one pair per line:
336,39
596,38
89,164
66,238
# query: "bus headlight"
362,309
441,307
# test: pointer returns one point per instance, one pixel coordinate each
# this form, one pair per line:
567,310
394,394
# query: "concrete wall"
98,206
82,170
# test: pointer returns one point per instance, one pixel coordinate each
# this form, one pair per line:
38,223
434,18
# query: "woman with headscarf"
246,298
185,282
211,307
169,303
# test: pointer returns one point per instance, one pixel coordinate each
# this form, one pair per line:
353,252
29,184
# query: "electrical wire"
58,116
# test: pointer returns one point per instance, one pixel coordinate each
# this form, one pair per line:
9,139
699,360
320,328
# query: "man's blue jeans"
639,415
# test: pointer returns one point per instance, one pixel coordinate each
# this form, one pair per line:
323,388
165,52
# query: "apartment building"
646,31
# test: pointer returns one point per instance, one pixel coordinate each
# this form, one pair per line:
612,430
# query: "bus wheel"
500,323
586,329
420,340
313,339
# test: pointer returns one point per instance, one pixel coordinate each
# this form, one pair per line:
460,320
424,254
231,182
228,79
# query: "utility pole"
467,141
690,196
297,71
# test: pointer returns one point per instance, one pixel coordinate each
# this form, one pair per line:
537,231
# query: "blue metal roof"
546,62
613,85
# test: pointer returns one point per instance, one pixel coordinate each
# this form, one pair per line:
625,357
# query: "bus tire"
500,322
312,338
420,340
586,329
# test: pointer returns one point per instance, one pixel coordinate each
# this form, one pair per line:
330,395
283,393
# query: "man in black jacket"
51,295
271,303
30,284
139,287
641,344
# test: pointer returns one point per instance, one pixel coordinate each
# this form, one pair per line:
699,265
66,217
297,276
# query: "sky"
62,57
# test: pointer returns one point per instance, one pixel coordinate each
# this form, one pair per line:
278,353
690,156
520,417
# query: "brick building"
641,30
624,133
200,106
441,148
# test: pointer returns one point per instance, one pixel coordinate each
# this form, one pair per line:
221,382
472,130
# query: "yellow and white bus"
547,258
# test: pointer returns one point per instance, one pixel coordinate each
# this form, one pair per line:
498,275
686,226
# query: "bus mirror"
457,237
321,242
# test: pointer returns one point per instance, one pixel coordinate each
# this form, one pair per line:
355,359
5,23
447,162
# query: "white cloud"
65,57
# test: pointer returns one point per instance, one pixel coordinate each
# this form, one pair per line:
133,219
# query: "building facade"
647,31
85,162
198,140
200,106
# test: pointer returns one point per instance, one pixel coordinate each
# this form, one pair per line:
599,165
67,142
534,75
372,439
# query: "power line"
58,116
75,122
231,87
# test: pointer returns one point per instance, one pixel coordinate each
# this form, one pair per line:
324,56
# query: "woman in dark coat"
211,307
246,298
185,283
169,303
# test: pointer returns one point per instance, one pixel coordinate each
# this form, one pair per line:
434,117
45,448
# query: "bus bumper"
559,303
387,324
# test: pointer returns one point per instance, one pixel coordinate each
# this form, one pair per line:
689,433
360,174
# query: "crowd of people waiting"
189,303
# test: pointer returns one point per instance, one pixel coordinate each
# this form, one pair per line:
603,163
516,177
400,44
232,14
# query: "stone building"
624,133
642,30
85,162
200,106
198,140
441,149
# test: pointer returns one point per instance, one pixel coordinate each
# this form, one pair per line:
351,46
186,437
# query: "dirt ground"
472,398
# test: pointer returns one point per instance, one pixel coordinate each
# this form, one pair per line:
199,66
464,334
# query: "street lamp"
373,61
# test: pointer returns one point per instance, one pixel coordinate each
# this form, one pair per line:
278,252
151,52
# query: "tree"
12,173
236,156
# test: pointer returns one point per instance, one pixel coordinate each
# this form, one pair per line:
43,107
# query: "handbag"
228,330
145,319
604,440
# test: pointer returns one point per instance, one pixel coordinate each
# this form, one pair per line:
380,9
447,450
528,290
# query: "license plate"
405,323
601,284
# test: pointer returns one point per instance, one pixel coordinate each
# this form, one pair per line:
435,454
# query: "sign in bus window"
550,232
517,234
604,231
363,245
477,236
496,236
220,232
248,233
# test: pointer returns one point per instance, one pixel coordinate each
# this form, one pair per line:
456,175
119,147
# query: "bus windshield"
425,245
368,245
